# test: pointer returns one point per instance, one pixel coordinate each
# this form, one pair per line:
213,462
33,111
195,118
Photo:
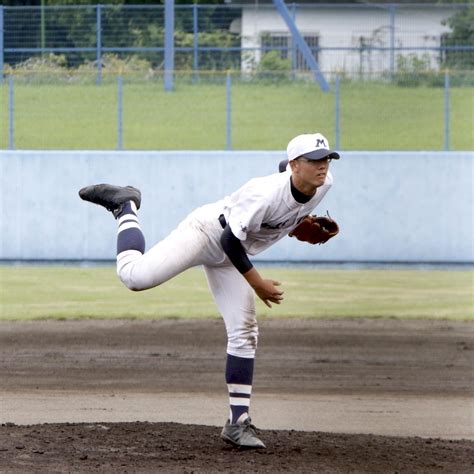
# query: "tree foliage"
462,34
123,25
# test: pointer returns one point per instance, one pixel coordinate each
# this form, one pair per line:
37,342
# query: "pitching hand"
268,292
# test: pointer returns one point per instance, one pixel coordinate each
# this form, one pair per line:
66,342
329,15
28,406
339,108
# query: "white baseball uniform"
259,213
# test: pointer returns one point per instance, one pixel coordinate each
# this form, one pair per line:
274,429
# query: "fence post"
229,112
119,113
11,143
99,44
446,111
43,28
1,44
392,40
294,48
195,40
169,44
337,113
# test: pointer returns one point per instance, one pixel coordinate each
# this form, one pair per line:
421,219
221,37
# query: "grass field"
62,292
374,116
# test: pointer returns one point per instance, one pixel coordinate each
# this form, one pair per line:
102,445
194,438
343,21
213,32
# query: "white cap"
312,146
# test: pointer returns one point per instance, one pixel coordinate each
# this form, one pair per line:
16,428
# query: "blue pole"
11,144
392,41
302,45
119,114
1,44
446,111
229,112
294,49
337,97
43,28
195,40
169,44
99,44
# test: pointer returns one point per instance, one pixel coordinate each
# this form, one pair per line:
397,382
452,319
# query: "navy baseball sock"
130,236
239,375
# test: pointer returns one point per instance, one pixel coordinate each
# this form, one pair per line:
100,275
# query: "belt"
222,221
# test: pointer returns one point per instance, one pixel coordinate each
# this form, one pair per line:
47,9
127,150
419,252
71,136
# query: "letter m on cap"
320,143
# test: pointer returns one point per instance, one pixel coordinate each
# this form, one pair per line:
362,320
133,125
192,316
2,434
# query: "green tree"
122,27
462,34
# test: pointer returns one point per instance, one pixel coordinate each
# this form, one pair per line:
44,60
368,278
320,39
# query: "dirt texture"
416,360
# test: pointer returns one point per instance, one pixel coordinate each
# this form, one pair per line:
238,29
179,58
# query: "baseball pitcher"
221,236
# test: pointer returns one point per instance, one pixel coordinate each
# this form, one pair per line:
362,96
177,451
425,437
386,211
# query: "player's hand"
268,292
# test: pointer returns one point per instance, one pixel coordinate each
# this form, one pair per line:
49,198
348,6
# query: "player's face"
310,174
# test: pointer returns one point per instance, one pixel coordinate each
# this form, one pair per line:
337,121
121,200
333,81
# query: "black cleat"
111,197
242,436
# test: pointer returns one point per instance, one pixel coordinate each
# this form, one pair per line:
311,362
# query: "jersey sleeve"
233,248
245,211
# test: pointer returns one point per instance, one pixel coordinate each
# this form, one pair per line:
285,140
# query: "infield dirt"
359,377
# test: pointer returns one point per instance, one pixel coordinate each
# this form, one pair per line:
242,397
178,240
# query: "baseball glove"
315,230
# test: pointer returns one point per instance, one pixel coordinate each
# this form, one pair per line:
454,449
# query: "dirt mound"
358,359
172,447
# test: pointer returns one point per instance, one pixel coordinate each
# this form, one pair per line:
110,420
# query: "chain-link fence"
344,39
232,111
400,77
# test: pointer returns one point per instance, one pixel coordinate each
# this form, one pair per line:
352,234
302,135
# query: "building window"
287,49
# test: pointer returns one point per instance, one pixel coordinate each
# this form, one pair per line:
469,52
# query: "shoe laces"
116,210
249,426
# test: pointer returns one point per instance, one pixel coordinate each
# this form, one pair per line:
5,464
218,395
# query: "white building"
346,39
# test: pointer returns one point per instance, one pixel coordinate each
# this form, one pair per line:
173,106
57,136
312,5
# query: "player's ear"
293,165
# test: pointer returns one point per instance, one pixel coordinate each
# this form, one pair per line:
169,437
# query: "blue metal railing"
446,112
228,113
96,25
1,43
119,113
98,41
11,120
169,44
99,44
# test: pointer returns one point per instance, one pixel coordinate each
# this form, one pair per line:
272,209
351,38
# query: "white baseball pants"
196,242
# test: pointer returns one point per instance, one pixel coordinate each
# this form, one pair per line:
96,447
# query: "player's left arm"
266,290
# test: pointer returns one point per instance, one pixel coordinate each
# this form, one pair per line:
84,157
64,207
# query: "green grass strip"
373,116
67,292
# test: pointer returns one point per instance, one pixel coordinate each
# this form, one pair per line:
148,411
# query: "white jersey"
263,210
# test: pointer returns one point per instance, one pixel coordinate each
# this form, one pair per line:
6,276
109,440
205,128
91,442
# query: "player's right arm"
266,290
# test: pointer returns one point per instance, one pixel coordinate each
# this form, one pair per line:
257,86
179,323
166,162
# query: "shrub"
273,67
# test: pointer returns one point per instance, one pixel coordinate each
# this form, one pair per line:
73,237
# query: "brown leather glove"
315,230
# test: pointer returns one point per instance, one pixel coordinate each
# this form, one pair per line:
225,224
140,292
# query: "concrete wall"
391,206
